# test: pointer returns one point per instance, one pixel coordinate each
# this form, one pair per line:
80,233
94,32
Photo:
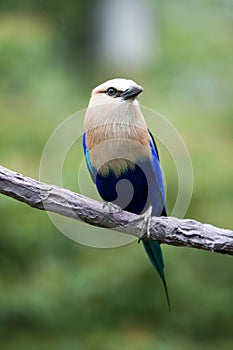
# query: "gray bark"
169,230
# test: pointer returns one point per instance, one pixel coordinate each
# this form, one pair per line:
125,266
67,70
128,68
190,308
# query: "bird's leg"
111,207
146,225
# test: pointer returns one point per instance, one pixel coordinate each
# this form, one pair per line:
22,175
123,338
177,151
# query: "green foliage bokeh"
57,294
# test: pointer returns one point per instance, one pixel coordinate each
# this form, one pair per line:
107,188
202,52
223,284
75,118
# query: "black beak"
131,93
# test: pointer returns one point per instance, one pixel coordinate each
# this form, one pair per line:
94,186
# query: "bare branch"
169,230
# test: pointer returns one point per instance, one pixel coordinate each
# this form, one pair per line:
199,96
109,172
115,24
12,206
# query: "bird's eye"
111,91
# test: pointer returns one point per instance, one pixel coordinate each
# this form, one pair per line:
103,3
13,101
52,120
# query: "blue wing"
92,171
157,200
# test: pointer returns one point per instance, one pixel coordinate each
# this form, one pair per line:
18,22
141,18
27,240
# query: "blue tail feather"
154,252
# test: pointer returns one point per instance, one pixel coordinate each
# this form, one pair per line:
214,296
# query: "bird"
122,157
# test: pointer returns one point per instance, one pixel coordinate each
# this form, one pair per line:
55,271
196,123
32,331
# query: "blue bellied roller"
122,157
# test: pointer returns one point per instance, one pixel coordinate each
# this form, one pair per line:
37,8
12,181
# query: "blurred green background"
55,293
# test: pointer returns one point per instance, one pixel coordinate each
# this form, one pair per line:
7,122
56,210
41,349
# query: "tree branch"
169,230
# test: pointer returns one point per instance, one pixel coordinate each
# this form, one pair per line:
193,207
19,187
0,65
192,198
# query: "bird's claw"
146,225
111,207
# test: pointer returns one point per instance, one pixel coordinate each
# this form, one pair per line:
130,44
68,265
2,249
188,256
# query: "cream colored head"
114,101
115,91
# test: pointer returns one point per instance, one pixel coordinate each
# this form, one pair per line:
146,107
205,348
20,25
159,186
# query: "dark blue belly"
129,191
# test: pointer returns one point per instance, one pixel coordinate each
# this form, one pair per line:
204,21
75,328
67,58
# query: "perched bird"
122,156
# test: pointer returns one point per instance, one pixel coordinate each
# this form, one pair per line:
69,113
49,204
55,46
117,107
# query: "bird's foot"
111,207
146,225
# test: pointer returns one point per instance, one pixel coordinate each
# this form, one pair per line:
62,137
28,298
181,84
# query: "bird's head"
114,101
115,91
